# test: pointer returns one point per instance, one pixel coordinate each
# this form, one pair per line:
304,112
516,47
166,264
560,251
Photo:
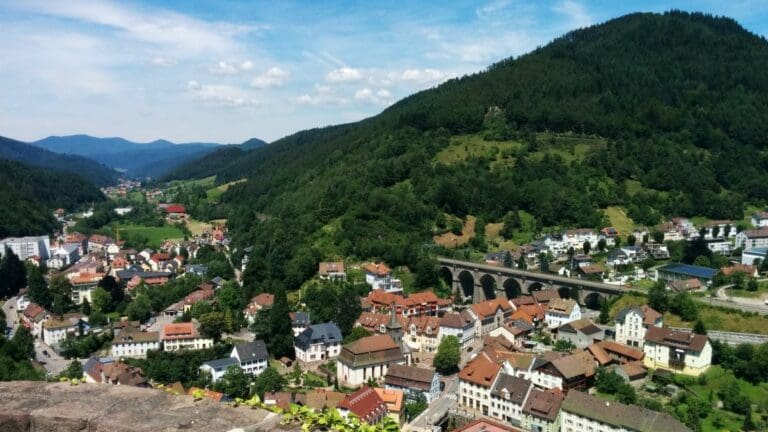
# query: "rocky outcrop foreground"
41,407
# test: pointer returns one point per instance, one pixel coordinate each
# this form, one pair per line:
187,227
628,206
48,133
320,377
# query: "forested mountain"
210,164
92,171
679,101
30,195
153,159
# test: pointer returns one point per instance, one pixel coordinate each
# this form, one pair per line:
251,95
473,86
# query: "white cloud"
424,76
381,97
273,77
223,68
575,12
162,61
344,74
492,8
246,65
220,95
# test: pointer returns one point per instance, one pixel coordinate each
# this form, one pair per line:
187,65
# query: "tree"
626,394
601,244
355,334
511,222
752,285
269,381
586,247
13,274
212,325
85,307
234,383
280,340
116,292
616,241
140,309
425,273
605,312
38,288
727,231
102,300
74,370
521,263
658,298
645,238
563,345
508,261
715,231
658,236
684,306
448,355
61,291
631,240
413,409
608,381
700,328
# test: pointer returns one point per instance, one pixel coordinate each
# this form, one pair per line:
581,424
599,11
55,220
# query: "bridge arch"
467,283
565,292
488,285
594,300
446,275
535,286
512,288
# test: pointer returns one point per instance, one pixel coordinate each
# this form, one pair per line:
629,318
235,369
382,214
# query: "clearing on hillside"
451,240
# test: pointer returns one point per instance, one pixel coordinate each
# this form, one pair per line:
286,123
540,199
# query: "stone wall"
41,407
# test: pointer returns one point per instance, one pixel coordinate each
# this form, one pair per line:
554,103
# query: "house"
489,315
64,255
476,379
379,276
217,368
282,400
619,353
421,333
366,404
253,357
299,322
32,317
178,336
420,303
134,343
633,322
376,322
580,260
99,243
484,425
676,271
395,402
754,255
175,211
320,399
367,358
461,325
581,412
679,351
749,271
58,328
617,257
592,272
413,382
750,239
198,270
517,331
581,333
720,247
760,219
609,234
574,371
318,343
257,303
108,371
332,271
22,302
576,237
561,311
658,251
508,397
684,285
541,411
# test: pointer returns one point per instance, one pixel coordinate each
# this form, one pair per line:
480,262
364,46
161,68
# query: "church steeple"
394,329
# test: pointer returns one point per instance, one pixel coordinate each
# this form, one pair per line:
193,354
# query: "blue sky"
225,70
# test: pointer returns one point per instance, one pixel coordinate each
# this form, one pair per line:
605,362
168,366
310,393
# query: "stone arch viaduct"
483,282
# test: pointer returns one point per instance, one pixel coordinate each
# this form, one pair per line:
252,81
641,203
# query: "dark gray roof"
301,318
325,333
516,386
616,414
622,315
256,350
221,363
129,273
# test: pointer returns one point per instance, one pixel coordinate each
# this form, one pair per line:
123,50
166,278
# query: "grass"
627,300
450,240
405,276
762,292
155,235
720,319
207,182
214,194
197,227
620,221
465,147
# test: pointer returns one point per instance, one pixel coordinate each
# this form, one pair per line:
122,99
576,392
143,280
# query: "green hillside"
673,105
29,196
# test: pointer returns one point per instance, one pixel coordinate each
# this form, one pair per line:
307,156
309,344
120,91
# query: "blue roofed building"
318,343
217,368
676,271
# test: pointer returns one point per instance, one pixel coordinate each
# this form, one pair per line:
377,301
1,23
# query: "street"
9,309
438,408
53,363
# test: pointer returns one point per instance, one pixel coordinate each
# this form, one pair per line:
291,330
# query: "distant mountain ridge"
94,172
152,159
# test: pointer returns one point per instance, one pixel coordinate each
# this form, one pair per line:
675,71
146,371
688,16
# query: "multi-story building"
476,380
217,368
679,351
367,358
27,247
508,397
461,325
252,356
582,412
541,412
333,271
574,371
581,333
750,239
58,328
413,382
318,343
366,404
632,323
561,311
134,343
490,315
421,333
178,336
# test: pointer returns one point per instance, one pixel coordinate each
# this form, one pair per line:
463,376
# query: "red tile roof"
481,371
366,404
378,269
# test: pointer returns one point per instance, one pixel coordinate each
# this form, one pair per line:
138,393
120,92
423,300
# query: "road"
746,304
438,408
9,309
53,363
